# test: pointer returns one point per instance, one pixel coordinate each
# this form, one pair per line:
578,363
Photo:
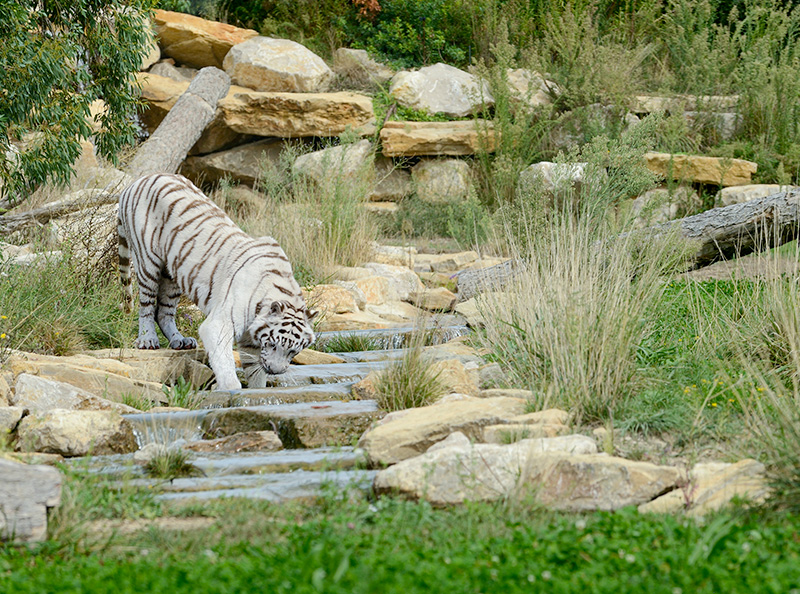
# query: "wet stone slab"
227,465
300,425
262,396
277,487
303,375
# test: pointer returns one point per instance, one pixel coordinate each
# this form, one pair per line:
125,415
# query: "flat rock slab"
26,492
278,487
704,170
303,375
296,115
406,139
408,433
303,425
280,395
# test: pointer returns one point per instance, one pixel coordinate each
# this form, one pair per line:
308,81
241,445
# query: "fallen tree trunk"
163,152
168,145
740,229
716,234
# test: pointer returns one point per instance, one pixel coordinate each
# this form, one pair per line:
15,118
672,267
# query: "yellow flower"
714,404
3,317
3,335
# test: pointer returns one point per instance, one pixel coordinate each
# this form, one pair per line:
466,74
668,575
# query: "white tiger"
182,243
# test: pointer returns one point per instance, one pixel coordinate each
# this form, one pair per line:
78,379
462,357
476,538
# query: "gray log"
716,234
26,492
739,229
183,125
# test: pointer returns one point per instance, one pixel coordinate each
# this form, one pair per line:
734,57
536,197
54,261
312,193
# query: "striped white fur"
181,243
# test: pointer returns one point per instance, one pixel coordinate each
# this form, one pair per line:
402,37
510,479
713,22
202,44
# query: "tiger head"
281,331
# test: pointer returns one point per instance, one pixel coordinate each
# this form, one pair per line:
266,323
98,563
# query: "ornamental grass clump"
408,383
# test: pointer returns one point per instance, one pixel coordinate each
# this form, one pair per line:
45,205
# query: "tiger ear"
276,308
311,314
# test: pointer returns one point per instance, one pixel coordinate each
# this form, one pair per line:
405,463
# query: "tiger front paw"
183,343
147,343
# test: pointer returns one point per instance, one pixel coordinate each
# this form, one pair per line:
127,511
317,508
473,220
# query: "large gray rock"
441,180
392,183
408,433
739,194
660,205
26,493
551,178
242,164
267,64
38,394
456,470
348,163
403,282
441,89
76,433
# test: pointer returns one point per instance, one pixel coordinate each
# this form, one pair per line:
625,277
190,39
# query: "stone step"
215,465
277,487
299,425
261,396
304,375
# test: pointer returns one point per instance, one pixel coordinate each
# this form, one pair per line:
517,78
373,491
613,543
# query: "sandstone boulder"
281,65
455,470
195,41
704,170
594,482
295,115
76,433
712,486
408,433
403,282
407,139
530,88
438,299
441,89
328,299
441,180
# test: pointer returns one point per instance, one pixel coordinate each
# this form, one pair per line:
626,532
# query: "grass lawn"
397,546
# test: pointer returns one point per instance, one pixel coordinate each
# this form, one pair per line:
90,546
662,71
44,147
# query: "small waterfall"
167,427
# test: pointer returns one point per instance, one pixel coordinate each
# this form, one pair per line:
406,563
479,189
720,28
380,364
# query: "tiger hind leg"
168,296
148,293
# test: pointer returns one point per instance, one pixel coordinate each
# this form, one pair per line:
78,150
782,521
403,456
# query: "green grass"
348,343
409,382
396,546
171,463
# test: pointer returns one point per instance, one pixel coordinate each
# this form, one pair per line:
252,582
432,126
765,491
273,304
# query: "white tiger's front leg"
217,337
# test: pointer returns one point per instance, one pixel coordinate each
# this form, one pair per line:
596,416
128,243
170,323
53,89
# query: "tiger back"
180,242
